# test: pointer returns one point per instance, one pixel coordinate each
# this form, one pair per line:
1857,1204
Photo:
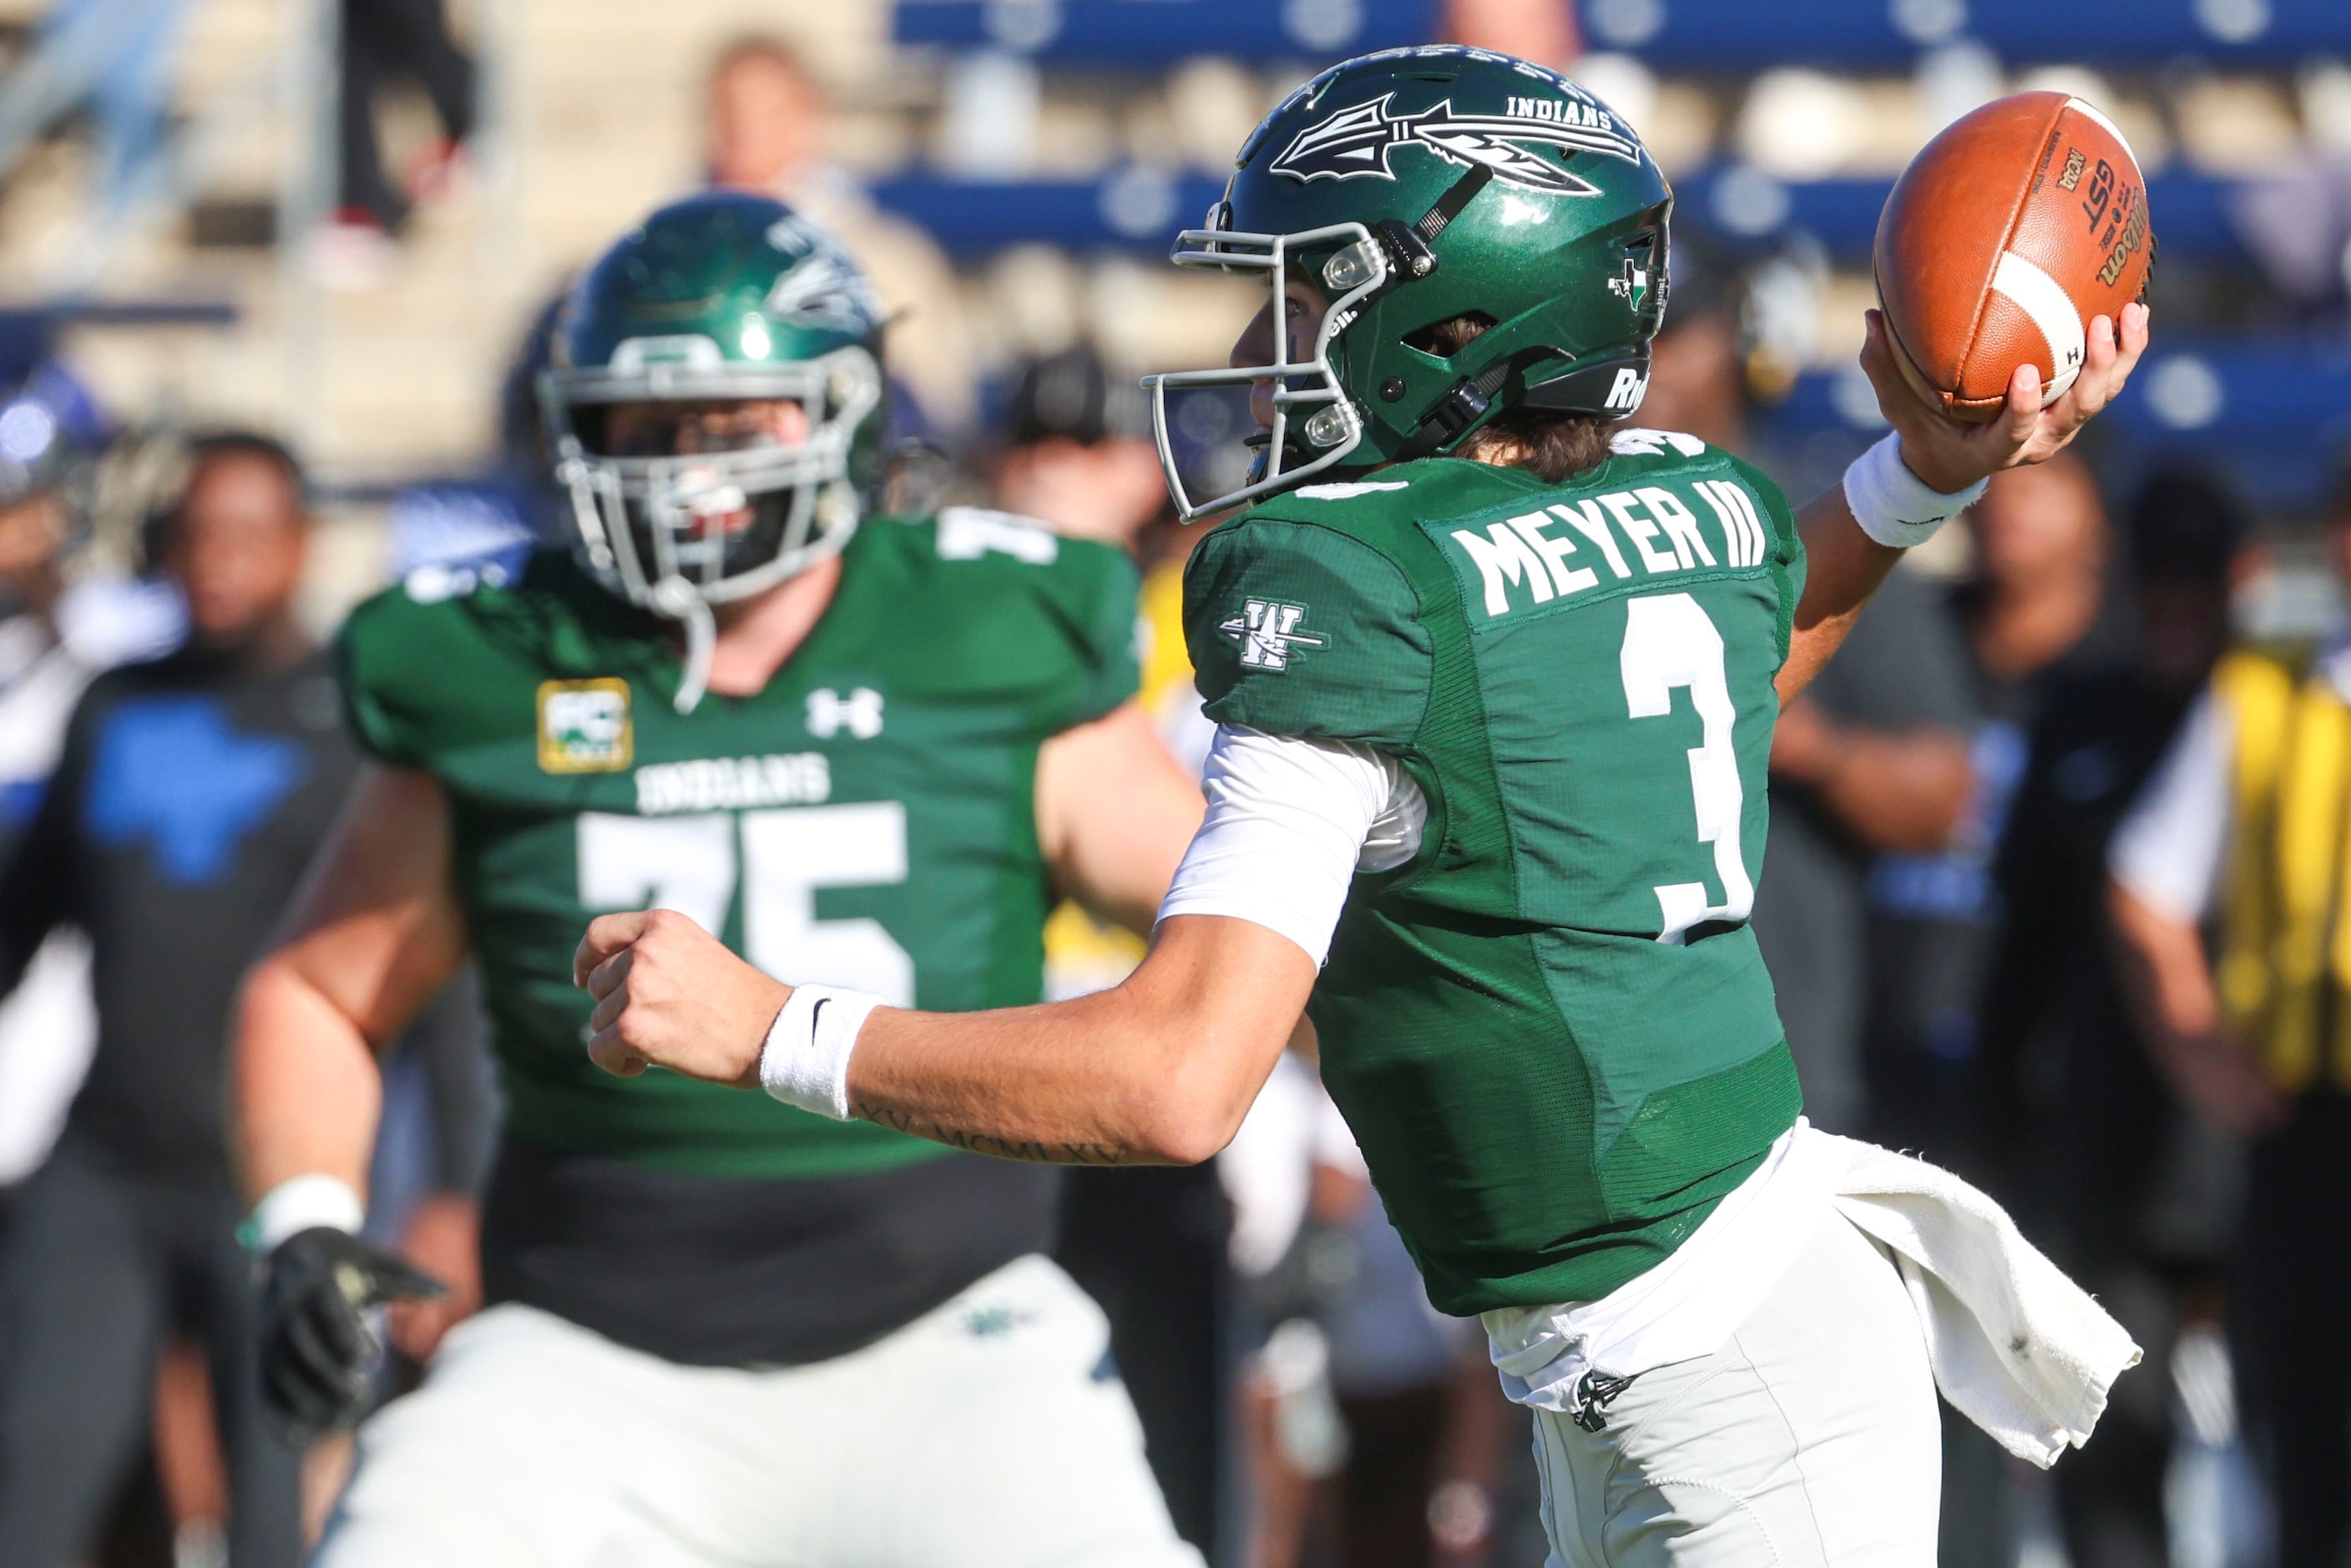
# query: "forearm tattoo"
988,1142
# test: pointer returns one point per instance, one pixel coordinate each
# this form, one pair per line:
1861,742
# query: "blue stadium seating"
2275,413
1141,209
1739,36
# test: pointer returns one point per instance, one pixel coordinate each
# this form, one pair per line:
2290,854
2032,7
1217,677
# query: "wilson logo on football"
1354,144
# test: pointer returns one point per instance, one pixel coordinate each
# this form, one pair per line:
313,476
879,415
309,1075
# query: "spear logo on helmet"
1354,144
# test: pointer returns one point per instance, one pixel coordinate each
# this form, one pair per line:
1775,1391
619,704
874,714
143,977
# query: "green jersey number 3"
1669,641
780,857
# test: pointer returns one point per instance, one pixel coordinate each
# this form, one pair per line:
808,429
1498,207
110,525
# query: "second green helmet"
720,299
1412,188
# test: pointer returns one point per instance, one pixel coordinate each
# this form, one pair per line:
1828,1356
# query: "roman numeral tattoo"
1035,1152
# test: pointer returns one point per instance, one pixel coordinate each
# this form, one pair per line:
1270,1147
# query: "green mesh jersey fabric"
1552,1032
868,820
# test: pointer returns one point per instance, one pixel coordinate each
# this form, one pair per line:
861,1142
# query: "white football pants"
986,1432
1810,1440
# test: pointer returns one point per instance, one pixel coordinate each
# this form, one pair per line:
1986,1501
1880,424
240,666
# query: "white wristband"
1894,505
805,1059
304,1203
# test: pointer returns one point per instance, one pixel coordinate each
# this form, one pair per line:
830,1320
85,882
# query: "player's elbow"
1200,1024
1185,1133
1195,1106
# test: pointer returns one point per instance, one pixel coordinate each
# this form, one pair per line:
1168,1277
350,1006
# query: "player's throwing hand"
1950,455
669,994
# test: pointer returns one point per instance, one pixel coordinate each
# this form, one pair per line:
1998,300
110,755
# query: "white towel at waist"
2017,1347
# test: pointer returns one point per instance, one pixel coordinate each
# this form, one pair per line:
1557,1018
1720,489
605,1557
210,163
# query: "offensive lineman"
913,732
1496,691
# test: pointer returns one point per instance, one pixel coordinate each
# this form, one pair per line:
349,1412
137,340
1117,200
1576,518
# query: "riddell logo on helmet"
1354,142
1626,391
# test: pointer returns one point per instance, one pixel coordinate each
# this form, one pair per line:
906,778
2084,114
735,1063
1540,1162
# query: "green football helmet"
1410,187
721,298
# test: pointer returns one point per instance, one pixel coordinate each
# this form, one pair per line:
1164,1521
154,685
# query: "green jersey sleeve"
389,678
1094,596
416,663
1002,606
1299,629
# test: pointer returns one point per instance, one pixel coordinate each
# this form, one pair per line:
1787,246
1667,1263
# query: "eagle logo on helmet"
1354,144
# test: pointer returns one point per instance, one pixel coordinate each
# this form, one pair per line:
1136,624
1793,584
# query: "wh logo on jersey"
830,713
584,726
1268,633
1354,144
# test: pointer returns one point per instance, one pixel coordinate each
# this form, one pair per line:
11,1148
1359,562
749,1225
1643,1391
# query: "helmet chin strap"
675,599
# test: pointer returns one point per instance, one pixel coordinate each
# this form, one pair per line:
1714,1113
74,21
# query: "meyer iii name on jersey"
1551,1032
867,819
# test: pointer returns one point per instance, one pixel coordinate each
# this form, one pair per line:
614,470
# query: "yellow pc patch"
584,726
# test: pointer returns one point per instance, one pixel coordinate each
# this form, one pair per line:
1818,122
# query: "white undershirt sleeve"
1290,822
2167,853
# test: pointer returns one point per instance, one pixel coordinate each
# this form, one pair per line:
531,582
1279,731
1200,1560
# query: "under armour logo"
830,713
1268,633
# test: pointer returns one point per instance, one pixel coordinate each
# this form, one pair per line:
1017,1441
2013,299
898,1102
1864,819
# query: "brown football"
2004,237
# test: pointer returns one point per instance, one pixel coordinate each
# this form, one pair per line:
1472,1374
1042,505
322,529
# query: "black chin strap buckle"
1458,407
1461,406
1407,245
1408,254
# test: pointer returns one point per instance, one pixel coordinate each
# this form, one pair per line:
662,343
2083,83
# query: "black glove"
317,1350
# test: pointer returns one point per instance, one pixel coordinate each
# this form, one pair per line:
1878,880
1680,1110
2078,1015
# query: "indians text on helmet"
825,290
1354,142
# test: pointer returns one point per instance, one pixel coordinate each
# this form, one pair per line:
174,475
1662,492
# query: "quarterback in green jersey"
870,750
1496,679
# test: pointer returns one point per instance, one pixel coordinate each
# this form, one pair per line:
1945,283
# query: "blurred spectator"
2033,611
46,1027
1077,454
768,134
2116,1181
1426,1420
1697,380
114,56
53,636
1539,30
1377,1436
190,794
383,42
2241,829
1872,759
525,469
